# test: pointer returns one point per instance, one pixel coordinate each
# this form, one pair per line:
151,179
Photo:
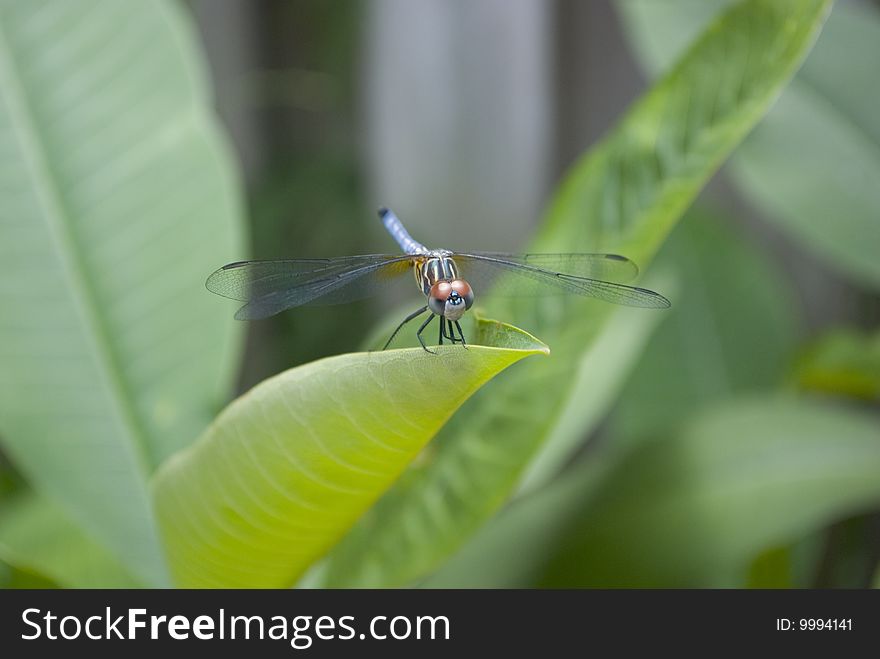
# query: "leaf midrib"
57,216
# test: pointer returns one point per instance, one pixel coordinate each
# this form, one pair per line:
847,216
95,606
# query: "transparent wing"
269,287
607,267
542,274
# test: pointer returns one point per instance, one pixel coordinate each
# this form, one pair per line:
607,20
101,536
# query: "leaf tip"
496,334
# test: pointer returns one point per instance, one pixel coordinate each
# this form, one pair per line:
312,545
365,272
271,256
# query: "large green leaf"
812,164
694,509
625,196
37,539
118,199
287,468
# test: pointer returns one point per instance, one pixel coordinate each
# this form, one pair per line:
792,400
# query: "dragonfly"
446,278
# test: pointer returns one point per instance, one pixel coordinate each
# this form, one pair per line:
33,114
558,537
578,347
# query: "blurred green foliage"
694,507
733,332
39,540
812,164
844,362
718,444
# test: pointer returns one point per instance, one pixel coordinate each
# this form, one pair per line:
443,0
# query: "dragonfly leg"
445,333
450,334
419,334
461,334
442,331
414,314
446,328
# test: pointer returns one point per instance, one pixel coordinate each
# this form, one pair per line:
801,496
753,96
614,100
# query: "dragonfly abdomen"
395,227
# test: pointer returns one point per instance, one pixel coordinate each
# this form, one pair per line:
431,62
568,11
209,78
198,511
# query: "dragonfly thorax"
433,267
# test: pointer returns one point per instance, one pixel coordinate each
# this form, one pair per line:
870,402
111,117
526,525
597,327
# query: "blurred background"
462,117
336,108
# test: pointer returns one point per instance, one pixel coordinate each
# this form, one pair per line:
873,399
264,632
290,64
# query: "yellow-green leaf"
287,468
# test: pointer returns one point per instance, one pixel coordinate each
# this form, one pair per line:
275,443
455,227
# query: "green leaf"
845,362
695,509
742,479
118,199
532,523
39,542
660,33
287,468
812,164
771,568
14,577
625,196
731,332
611,358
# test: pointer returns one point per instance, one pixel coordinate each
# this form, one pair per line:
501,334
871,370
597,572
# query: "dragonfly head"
450,299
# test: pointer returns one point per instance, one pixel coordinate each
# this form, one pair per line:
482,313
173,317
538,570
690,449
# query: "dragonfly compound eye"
438,297
463,289
458,298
